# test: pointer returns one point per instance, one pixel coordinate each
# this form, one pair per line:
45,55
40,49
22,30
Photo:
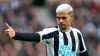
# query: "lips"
61,25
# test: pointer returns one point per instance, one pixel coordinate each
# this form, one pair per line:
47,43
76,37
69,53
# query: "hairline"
70,13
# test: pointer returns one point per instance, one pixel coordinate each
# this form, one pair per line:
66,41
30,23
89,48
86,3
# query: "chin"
62,28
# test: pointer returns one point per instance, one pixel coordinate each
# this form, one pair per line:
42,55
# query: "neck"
68,28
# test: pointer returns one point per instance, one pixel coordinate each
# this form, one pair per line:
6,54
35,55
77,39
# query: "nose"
61,20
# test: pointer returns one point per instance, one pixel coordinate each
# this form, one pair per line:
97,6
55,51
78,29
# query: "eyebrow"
62,17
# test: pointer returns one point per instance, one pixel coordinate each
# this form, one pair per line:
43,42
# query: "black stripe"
81,47
73,41
48,36
84,54
65,38
56,43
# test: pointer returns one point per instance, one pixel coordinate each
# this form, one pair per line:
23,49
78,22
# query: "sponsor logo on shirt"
65,50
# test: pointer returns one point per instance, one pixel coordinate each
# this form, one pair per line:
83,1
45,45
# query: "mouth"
61,25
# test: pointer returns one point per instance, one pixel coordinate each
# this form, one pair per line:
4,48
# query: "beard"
62,26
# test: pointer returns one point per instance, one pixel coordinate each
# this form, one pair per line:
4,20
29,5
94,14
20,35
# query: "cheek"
65,21
57,21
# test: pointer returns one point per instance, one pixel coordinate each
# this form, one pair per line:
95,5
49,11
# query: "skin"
9,32
64,20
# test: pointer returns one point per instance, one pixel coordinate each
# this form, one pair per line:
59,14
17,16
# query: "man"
61,40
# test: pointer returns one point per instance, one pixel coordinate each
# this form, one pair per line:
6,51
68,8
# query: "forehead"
62,14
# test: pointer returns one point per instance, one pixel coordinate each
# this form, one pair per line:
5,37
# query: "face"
64,20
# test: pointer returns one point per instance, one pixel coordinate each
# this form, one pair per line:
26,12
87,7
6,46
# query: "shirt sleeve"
47,34
81,46
84,54
43,33
27,36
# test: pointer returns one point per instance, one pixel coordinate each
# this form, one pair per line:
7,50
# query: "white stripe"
76,38
50,49
69,39
61,39
83,45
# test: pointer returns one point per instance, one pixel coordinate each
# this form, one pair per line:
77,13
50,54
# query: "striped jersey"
62,42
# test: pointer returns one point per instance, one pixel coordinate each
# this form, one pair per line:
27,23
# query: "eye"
64,18
58,17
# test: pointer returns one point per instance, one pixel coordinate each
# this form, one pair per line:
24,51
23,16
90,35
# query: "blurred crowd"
34,15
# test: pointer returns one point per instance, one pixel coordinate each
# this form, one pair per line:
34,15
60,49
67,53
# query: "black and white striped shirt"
55,38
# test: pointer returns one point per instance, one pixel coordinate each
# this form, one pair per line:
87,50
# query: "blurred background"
34,15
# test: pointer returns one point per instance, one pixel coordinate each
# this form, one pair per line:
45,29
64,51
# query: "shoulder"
53,28
77,30
49,30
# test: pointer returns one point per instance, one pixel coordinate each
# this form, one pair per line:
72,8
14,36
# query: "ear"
72,16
